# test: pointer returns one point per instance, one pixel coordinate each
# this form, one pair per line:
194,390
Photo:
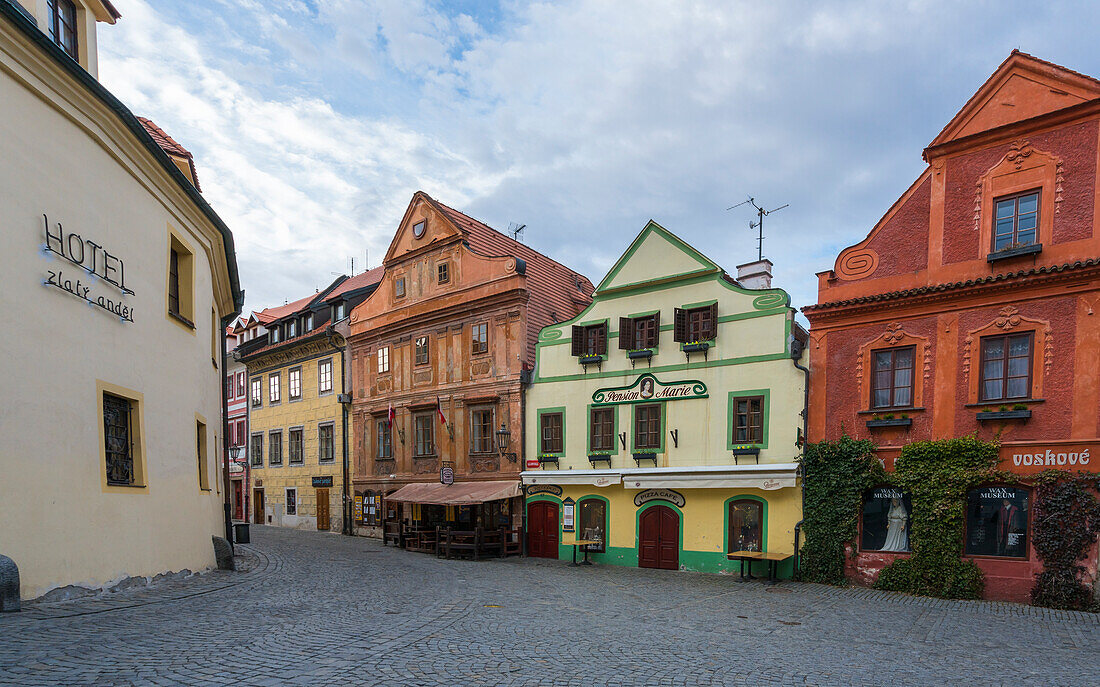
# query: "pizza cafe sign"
649,388
1036,458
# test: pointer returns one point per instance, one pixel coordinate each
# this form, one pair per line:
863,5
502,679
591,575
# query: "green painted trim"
668,368
638,527
614,429
652,227
647,313
538,428
634,427
556,340
766,416
589,323
700,304
726,520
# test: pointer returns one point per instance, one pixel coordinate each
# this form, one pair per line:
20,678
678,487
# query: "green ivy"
835,475
937,475
1065,522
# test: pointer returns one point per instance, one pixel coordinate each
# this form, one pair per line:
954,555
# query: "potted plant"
1018,411
888,420
696,346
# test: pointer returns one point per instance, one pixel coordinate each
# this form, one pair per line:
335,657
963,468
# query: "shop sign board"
553,489
1030,459
670,495
567,507
324,481
446,475
648,388
533,463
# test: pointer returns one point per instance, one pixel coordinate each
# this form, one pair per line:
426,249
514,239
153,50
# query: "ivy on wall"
835,475
937,475
1066,520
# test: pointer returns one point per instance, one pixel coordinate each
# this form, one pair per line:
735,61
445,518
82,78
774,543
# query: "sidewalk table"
577,544
773,560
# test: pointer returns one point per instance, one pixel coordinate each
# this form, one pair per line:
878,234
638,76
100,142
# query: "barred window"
117,436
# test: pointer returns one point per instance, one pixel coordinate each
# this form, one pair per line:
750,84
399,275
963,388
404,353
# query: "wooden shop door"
322,509
258,506
659,539
542,529
238,500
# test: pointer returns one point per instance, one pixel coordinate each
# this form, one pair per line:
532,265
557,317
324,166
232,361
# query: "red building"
973,307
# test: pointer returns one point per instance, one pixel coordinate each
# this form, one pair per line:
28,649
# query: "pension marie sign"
649,388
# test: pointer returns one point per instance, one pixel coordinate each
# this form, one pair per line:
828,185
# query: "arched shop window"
996,521
886,518
746,525
593,521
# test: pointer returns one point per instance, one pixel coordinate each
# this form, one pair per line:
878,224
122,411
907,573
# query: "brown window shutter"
626,334
656,335
601,339
680,325
578,340
713,321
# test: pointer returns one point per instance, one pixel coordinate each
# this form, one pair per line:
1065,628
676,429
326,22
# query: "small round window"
419,227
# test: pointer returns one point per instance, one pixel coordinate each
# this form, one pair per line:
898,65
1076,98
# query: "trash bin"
240,533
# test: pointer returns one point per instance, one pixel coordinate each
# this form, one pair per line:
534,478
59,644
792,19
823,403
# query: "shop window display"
996,522
886,514
746,520
593,522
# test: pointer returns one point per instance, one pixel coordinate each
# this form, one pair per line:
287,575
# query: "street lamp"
504,438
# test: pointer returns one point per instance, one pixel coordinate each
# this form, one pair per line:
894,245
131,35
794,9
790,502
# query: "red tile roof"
170,146
557,292
359,281
268,315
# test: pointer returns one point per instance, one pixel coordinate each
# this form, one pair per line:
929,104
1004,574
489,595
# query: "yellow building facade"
664,422
296,424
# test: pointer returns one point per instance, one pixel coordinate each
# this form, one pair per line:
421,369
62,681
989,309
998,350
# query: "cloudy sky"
313,121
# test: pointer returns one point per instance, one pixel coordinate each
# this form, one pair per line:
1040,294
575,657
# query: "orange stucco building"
973,307
447,341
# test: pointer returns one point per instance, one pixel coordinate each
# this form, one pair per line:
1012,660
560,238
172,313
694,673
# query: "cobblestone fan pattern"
315,608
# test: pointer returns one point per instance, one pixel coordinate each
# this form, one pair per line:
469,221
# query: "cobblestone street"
316,609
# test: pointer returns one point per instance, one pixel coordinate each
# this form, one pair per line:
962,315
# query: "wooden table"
578,543
773,559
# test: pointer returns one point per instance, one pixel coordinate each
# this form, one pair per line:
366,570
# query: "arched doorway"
542,529
659,538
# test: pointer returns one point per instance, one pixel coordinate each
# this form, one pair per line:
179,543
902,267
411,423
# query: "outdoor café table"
578,543
773,559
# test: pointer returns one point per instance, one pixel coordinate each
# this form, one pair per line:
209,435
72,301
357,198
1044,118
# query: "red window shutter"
680,325
578,340
626,334
713,321
601,339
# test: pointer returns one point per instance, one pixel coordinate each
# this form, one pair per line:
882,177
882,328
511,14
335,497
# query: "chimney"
755,275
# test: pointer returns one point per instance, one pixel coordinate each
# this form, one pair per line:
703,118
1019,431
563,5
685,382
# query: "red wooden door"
542,529
659,539
238,500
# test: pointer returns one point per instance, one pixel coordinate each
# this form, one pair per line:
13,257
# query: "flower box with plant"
1014,251
1017,411
597,457
696,346
640,354
548,458
889,420
589,359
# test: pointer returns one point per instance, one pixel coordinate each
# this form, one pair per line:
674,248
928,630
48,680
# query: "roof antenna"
516,229
761,213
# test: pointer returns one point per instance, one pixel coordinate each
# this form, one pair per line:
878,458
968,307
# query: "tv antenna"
761,213
516,229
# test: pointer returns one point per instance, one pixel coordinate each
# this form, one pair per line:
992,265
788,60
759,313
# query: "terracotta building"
447,341
971,307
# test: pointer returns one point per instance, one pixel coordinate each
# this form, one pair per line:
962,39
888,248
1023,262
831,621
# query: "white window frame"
383,360
321,390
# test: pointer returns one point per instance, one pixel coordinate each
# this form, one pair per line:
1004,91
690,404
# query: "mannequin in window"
1007,523
897,522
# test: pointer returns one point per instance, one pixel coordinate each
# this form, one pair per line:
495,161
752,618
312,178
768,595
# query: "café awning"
457,494
596,478
767,476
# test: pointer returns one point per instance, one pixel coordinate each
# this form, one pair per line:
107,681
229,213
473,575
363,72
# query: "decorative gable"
656,255
1022,87
423,226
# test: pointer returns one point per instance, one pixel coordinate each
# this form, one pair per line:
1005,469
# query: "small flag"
390,416
439,409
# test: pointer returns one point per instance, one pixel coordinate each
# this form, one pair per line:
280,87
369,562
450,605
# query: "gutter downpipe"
525,377
805,423
225,434
345,504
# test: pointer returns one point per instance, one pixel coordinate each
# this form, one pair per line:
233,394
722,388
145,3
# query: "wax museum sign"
92,266
649,388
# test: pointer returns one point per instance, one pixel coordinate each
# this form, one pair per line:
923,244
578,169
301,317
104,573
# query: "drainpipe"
525,377
345,401
796,355
225,321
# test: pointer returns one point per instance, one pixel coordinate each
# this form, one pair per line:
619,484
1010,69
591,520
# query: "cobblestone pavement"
317,609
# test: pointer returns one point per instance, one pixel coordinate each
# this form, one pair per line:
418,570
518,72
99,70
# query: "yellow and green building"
665,420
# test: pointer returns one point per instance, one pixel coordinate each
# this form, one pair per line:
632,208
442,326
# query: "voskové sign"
648,388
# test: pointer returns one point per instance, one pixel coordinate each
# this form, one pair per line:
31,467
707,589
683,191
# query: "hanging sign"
649,388
533,463
533,489
446,475
357,508
567,507
93,266
669,495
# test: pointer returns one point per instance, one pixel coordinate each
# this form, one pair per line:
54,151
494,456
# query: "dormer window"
444,272
275,335
62,21
339,311
309,322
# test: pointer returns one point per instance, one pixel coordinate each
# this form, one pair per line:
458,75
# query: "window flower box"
745,450
889,422
545,458
696,347
590,359
639,456
594,458
642,354
990,415
1014,252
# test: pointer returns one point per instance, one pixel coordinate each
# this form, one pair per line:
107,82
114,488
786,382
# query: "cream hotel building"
118,279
